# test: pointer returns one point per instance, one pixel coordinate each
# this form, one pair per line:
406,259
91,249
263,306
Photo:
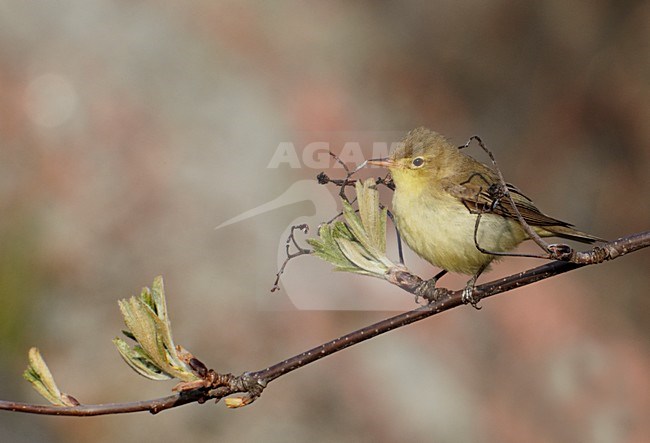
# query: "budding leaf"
359,244
39,375
154,356
372,218
139,361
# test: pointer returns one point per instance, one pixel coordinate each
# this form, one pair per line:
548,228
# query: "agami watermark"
312,151
316,154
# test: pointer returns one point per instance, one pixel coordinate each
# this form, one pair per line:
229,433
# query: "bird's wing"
478,194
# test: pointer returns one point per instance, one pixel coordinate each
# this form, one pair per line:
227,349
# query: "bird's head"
417,159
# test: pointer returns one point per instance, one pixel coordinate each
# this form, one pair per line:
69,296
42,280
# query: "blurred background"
129,130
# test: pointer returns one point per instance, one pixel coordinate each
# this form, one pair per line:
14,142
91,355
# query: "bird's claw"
468,297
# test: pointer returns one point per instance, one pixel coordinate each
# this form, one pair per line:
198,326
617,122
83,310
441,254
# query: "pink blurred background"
128,131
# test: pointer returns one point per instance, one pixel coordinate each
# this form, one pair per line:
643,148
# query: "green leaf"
359,243
138,360
154,356
373,220
328,249
354,252
39,375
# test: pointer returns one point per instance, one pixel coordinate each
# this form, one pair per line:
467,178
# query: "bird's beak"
383,162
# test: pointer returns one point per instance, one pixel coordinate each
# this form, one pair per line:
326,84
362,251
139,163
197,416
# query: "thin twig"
347,177
506,193
153,406
299,251
503,254
324,179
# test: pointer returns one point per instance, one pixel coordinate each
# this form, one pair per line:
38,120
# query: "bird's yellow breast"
440,229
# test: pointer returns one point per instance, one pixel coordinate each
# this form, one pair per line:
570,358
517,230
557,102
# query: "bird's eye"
417,162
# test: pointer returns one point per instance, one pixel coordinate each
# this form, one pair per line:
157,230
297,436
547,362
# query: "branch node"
561,252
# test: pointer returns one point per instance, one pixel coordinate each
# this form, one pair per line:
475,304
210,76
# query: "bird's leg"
399,238
468,292
427,289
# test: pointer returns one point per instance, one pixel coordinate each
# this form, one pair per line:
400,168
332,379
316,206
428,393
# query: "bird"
440,192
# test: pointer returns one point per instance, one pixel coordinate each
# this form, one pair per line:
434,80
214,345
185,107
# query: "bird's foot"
468,296
427,290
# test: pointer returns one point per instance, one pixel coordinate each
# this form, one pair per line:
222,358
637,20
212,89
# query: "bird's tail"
569,233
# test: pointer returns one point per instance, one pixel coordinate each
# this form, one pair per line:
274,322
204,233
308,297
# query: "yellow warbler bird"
439,192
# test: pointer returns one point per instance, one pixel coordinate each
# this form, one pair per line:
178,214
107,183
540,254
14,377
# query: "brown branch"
222,385
443,300
251,384
153,406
